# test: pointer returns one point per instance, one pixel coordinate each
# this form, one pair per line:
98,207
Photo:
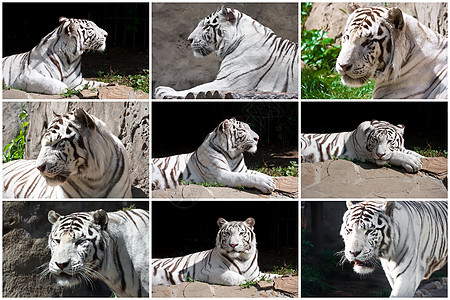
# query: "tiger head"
382,139
235,137
366,233
77,246
84,34
215,33
236,239
369,43
63,147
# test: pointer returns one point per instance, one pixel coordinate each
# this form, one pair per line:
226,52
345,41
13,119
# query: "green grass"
429,152
285,270
137,82
322,85
69,93
205,184
291,170
16,149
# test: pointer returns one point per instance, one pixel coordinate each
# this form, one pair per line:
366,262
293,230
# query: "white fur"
218,160
352,145
244,45
418,68
54,65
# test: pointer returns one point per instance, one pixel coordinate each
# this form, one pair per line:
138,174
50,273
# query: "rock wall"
25,251
332,16
129,121
173,62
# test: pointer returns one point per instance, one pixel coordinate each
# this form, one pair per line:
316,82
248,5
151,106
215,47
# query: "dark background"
276,123
127,24
185,227
425,122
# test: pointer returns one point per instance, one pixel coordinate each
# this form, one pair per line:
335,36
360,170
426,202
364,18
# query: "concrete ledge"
345,179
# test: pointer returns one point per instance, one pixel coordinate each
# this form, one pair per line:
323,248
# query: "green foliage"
305,10
428,151
205,184
318,51
323,85
132,206
285,270
16,148
70,92
249,283
291,170
384,293
137,82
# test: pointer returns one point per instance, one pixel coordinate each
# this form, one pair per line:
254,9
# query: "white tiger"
112,247
233,261
219,159
79,158
54,65
252,57
376,141
405,58
410,238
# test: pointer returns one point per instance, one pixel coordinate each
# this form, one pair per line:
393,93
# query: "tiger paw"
413,164
266,184
167,92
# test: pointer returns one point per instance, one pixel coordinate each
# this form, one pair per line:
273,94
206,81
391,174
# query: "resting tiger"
233,261
376,141
404,57
110,246
79,158
54,65
410,238
219,159
253,58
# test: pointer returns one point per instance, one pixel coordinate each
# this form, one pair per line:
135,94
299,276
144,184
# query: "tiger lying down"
54,65
404,57
79,158
233,261
253,58
112,247
410,238
219,159
376,141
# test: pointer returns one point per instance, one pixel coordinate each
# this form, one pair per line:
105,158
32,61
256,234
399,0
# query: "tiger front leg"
90,84
411,163
168,92
227,278
404,286
34,82
250,179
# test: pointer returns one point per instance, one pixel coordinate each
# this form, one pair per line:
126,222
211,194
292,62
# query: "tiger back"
219,159
54,65
112,247
410,238
404,57
253,58
79,158
233,261
378,142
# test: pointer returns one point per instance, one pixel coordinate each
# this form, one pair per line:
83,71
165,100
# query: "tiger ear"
395,17
84,118
55,115
101,218
70,29
228,14
400,128
62,19
221,222
349,204
351,7
389,207
53,216
250,222
224,125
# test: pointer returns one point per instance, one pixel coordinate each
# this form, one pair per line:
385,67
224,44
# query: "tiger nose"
233,245
41,168
62,265
256,139
355,254
190,40
380,155
346,67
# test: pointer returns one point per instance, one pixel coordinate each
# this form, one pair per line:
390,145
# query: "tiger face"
76,245
86,34
368,44
63,151
236,137
236,239
382,139
214,33
366,233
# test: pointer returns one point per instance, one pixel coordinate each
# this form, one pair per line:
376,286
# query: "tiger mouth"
56,179
199,49
355,82
365,264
